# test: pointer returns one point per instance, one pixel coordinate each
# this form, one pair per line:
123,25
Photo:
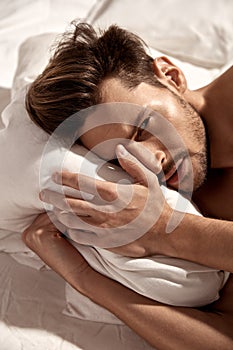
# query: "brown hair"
81,61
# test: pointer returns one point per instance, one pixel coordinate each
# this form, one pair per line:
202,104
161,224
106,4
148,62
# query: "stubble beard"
200,158
200,171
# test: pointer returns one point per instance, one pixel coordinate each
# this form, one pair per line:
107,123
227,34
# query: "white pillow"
199,32
168,280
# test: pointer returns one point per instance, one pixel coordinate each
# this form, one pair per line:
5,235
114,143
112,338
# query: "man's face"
161,120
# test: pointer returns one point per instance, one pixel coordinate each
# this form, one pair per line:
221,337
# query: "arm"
202,240
163,326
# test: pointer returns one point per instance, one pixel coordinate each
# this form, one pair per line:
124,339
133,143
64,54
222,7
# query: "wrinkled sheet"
31,315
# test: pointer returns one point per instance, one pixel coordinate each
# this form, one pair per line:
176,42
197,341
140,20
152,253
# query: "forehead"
112,90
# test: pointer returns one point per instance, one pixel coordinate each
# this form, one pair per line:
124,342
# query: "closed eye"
142,127
144,123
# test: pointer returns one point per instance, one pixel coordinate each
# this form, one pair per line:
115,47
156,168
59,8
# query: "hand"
126,217
48,243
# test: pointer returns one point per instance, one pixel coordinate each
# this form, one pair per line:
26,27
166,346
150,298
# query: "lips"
171,178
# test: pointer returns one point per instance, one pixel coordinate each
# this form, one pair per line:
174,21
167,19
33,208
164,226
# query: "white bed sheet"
31,315
32,301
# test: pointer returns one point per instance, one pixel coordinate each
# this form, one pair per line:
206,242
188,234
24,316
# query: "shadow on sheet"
31,315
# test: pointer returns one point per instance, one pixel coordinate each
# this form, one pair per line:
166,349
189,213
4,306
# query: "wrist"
81,279
94,286
161,240
183,240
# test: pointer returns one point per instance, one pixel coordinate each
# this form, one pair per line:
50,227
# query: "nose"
160,158
153,159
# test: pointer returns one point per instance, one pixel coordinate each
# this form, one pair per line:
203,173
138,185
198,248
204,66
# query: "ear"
169,74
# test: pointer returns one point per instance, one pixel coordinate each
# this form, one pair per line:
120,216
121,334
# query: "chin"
187,185
183,187
188,179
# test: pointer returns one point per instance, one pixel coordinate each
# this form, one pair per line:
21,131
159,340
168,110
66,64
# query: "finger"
86,211
84,224
134,167
58,200
71,220
86,184
89,212
146,157
66,178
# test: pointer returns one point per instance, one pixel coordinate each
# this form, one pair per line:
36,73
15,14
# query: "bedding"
23,288
189,30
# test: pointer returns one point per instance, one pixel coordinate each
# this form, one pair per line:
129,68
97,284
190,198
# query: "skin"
211,241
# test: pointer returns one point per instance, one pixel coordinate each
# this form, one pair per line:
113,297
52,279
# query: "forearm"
202,240
164,327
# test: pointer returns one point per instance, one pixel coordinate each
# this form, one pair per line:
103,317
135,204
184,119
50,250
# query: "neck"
213,103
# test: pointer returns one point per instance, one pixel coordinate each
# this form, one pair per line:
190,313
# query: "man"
115,68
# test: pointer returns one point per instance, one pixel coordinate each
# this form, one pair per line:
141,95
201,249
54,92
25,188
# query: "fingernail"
121,151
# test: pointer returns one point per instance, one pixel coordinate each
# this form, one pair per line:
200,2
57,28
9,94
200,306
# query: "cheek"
166,137
91,137
166,131
153,144
178,134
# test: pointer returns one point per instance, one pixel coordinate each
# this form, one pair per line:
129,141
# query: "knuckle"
112,196
110,192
